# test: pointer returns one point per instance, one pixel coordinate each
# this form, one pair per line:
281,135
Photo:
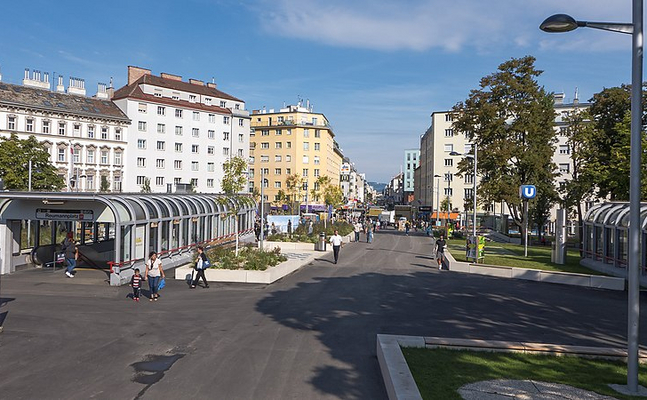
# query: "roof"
137,94
153,80
46,100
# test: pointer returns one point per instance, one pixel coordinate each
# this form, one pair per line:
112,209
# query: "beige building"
292,141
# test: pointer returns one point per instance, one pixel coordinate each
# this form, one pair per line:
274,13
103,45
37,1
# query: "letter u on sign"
527,191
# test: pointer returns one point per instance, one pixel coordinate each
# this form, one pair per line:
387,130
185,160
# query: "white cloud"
420,25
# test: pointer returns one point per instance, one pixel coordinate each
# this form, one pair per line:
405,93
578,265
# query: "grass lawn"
439,373
511,255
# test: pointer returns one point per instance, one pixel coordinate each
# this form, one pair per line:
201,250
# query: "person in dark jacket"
71,254
201,264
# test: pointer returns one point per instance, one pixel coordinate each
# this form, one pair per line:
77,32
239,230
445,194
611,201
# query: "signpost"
526,192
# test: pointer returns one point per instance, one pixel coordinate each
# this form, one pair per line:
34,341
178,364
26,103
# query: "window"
449,132
90,158
211,167
141,144
449,117
278,145
212,118
178,113
305,172
141,126
61,154
467,148
161,128
563,131
195,149
175,96
210,182
211,150
161,110
448,177
141,162
207,101
265,145
158,93
89,182
194,165
223,103
104,132
277,184
160,163
251,159
11,123
46,127
277,171
77,155
317,133
194,182
288,158
211,134
225,136
118,158
178,147
265,132
449,162
316,160
449,148
265,159
306,133
141,180
142,108
448,191
104,156
177,181
29,125
241,138
118,134
178,130
76,130
469,178
564,168
563,149
265,171
316,172
61,128
161,145
240,153
468,194
195,132
193,98
241,122
177,164
159,180
306,146
225,120
317,146
288,171
277,158
196,116
288,131
306,160
225,151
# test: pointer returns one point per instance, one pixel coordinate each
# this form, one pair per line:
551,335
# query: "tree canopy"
15,154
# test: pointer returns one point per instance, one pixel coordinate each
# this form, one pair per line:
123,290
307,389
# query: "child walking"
136,283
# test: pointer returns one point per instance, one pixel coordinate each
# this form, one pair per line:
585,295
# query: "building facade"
410,163
86,136
293,141
182,132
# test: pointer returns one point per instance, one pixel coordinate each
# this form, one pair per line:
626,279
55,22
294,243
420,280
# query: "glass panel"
165,230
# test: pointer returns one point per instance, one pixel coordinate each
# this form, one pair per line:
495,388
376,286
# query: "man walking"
336,242
357,227
440,251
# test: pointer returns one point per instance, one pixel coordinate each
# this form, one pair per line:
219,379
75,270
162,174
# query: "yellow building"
292,141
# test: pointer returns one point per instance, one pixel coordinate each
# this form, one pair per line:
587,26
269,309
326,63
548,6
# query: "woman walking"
154,271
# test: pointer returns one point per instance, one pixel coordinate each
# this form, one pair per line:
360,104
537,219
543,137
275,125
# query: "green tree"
105,185
233,184
15,154
146,187
293,185
333,196
510,117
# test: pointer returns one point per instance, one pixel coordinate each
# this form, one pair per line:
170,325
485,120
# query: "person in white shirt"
336,242
357,227
153,273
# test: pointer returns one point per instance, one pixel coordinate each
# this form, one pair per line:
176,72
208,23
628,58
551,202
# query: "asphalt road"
309,336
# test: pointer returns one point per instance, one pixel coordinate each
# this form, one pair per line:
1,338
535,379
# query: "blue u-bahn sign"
527,191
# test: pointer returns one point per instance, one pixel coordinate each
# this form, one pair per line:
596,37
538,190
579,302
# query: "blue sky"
377,69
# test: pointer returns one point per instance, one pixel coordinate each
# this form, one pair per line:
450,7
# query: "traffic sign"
527,191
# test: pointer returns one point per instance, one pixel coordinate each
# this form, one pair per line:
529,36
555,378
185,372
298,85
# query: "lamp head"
559,23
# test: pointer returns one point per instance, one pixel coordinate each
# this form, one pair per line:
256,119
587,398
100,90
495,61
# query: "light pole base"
624,389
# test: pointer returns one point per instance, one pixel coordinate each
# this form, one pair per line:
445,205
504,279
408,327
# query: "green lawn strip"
511,255
439,373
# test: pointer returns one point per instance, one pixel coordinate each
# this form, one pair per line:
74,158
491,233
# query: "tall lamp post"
475,158
564,23
437,198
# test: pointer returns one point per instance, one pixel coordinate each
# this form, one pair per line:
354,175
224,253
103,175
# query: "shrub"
249,258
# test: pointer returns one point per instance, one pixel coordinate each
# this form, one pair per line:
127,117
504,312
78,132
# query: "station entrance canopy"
117,231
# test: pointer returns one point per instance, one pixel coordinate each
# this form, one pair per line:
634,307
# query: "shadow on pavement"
356,308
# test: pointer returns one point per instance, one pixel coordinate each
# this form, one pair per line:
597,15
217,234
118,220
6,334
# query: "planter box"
607,282
491,271
526,274
566,279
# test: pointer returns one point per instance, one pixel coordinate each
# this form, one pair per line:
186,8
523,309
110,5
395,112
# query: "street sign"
527,191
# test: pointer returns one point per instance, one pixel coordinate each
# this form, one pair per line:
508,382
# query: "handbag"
162,284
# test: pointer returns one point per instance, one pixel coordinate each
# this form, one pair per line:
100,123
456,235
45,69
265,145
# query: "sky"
376,69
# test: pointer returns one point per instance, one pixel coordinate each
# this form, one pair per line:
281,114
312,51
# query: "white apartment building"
182,132
410,163
86,136
352,183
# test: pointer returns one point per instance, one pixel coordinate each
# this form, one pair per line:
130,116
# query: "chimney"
135,73
171,77
196,82
35,80
558,98
211,85
102,93
59,86
110,90
77,86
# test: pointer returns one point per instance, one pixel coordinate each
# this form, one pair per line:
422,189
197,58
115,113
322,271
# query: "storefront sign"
64,215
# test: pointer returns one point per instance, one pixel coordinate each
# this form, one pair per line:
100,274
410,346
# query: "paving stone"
525,390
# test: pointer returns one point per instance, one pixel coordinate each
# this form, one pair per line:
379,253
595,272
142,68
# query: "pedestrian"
136,283
290,227
71,254
257,230
369,231
440,251
407,227
201,264
336,242
357,227
273,230
310,227
153,272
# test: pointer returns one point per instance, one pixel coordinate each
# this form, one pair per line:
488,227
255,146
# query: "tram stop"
117,231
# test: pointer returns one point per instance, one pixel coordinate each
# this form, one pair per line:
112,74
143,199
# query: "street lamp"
475,158
565,23
437,198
